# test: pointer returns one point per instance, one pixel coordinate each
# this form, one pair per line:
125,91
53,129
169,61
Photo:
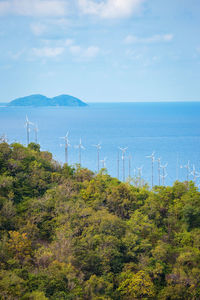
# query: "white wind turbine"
98,146
159,164
3,138
152,156
103,161
80,147
123,161
164,174
187,167
67,144
140,174
129,165
195,174
27,124
36,133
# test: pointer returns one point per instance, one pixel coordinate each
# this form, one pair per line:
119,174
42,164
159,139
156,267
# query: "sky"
100,50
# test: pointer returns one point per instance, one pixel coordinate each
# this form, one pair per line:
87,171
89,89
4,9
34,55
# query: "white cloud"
47,52
142,58
132,39
91,52
34,8
69,42
49,26
81,52
134,55
75,50
38,28
57,48
4,7
110,9
84,53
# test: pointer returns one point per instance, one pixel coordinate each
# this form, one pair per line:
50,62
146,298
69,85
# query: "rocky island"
38,100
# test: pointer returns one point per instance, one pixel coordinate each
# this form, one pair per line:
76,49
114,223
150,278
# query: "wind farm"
126,167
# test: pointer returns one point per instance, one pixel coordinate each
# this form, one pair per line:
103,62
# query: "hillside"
40,100
66,233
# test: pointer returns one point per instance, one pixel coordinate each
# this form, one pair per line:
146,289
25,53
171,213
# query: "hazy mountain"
40,100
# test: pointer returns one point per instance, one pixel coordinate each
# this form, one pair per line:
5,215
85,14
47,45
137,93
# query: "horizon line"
134,101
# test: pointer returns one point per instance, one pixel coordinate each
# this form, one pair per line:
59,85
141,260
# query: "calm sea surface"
172,130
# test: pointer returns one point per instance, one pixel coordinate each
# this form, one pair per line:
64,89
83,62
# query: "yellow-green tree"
136,286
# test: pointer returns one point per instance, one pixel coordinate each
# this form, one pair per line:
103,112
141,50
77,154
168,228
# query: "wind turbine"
98,146
80,147
3,138
36,133
195,174
129,165
67,144
27,124
164,174
123,160
163,178
152,156
103,161
159,162
187,167
140,174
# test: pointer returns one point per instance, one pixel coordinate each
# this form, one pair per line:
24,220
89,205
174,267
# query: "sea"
169,130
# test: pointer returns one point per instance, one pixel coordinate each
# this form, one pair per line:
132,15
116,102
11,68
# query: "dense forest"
67,233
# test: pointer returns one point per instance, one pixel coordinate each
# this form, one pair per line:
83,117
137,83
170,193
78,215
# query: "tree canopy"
67,233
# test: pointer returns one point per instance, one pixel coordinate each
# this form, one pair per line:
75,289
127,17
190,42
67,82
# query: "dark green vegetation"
40,100
69,234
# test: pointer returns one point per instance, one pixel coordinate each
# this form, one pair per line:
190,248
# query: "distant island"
40,100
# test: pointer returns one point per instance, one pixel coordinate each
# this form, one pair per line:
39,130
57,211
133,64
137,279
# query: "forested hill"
67,233
40,100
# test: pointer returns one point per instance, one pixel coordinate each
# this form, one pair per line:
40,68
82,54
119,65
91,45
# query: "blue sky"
101,51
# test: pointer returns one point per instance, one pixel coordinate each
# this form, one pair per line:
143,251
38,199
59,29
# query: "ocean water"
172,130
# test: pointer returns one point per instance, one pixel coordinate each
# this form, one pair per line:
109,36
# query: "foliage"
67,233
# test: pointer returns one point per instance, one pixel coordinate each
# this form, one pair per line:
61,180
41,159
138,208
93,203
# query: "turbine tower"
163,178
187,167
159,163
98,146
164,174
152,157
80,147
67,144
195,174
103,161
129,165
123,161
27,124
36,133
140,175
